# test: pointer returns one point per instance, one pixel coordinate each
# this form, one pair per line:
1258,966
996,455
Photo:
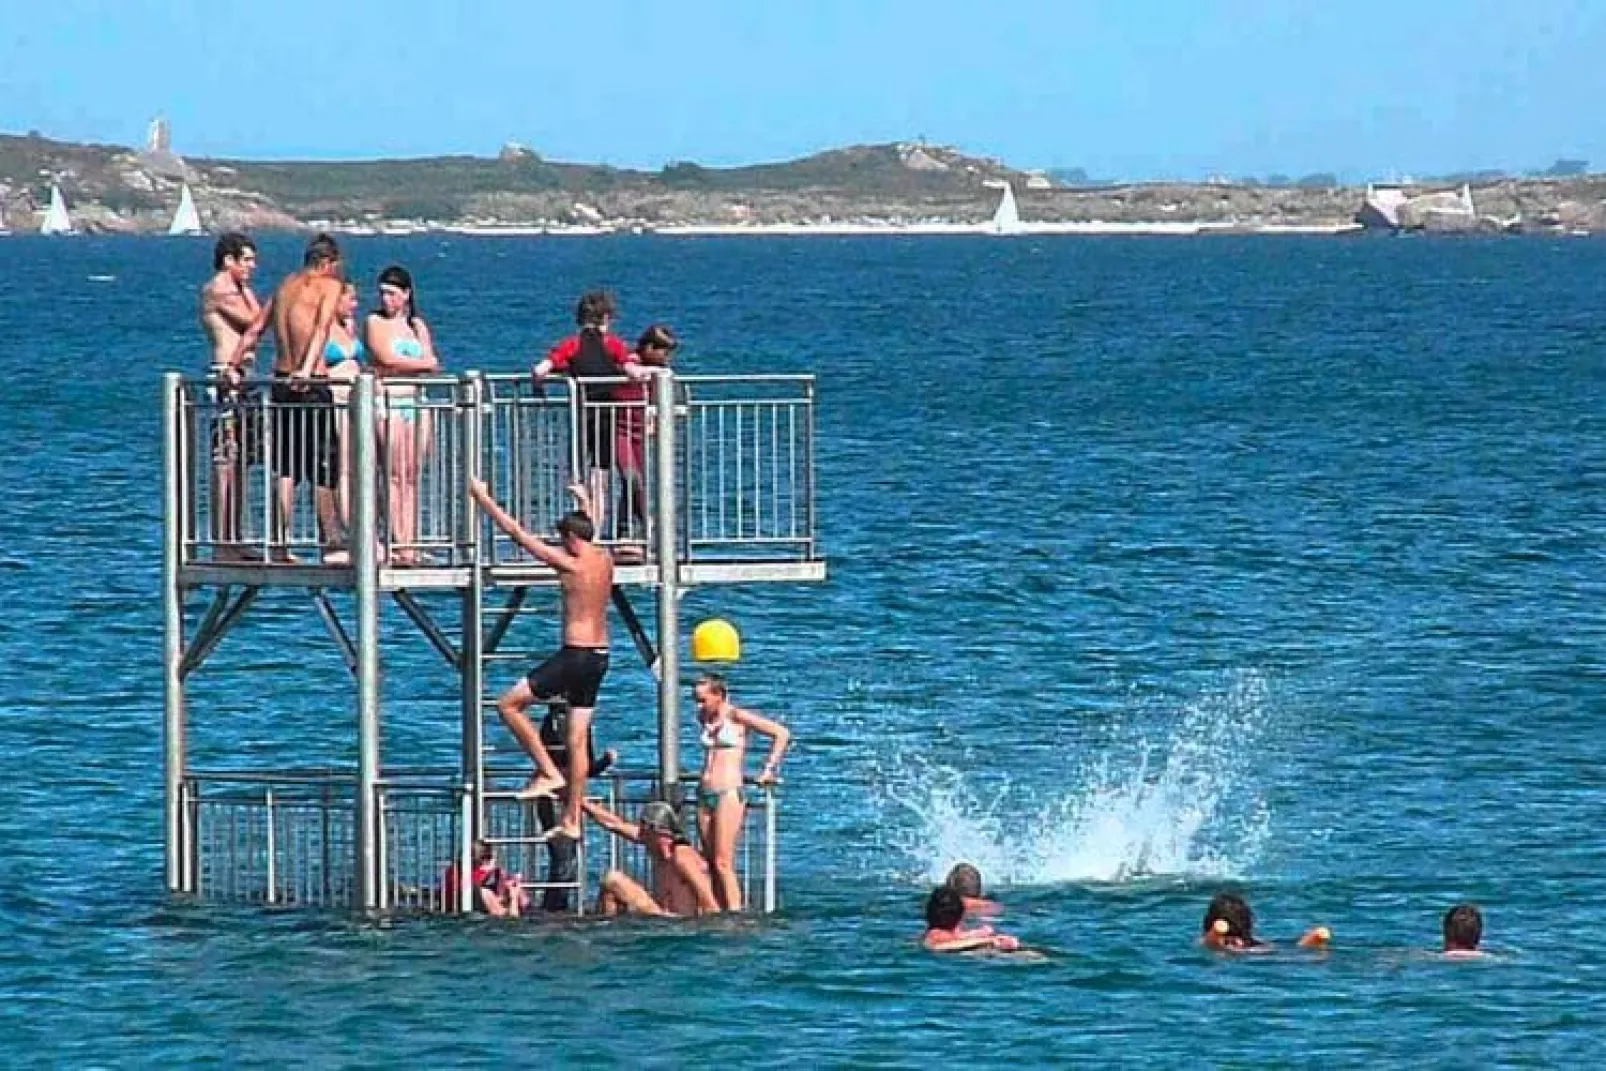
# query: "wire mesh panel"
421,843
272,840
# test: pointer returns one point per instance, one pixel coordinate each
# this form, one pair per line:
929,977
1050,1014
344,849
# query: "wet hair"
230,244
658,336
1235,912
716,683
945,908
398,276
965,880
1463,928
320,251
576,524
594,307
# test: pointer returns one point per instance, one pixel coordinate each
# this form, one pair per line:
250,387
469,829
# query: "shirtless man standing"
680,880
585,573
228,308
304,446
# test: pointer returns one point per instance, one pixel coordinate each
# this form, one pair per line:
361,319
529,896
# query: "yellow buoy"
716,640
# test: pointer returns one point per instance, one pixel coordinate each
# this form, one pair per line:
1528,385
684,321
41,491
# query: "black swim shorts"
304,443
574,673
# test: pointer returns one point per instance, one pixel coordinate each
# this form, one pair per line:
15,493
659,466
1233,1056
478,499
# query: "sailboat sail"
1007,218
186,220
56,219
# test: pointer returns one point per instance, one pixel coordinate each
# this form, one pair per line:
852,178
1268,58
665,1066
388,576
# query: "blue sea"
1157,568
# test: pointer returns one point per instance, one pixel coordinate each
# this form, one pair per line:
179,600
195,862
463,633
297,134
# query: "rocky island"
910,185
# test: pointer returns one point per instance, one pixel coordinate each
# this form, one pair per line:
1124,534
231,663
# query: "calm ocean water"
1158,567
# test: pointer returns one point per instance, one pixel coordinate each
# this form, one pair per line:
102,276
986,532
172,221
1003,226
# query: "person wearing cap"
680,884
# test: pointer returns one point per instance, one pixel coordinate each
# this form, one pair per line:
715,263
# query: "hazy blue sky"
1124,88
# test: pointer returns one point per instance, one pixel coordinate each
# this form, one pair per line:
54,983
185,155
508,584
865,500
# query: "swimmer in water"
1229,926
1463,932
945,930
965,880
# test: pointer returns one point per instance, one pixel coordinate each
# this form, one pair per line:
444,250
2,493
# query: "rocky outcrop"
114,189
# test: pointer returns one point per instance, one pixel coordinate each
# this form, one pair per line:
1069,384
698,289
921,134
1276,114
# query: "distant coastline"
903,188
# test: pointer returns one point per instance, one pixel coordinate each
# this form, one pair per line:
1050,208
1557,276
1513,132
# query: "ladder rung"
542,839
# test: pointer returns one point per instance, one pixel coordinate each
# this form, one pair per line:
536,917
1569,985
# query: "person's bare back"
303,311
587,588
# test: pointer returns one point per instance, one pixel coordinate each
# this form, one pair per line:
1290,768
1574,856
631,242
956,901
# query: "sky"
1126,89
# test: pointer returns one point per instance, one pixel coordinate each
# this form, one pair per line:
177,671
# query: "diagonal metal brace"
638,633
510,612
331,620
220,618
426,624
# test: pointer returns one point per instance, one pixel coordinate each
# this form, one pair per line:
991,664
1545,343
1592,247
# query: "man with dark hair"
1463,931
575,672
304,446
228,309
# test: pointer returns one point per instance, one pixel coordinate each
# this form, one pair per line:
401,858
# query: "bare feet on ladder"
539,786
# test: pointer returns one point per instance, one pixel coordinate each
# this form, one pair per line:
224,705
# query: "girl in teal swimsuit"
401,347
721,807
342,353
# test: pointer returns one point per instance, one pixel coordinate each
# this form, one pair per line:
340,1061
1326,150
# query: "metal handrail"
743,465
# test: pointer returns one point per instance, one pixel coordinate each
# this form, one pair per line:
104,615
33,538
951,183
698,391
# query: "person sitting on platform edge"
563,856
945,931
495,892
680,885
575,672
594,353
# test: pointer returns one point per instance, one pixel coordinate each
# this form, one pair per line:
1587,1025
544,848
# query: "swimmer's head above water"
1463,929
965,880
1228,923
945,908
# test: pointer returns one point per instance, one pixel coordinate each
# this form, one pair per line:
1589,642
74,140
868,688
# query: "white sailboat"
1006,220
56,219
186,220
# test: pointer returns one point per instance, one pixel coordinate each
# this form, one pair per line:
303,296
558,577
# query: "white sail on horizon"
56,219
186,220
1006,219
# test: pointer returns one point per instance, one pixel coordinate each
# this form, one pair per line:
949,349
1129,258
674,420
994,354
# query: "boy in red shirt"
594,352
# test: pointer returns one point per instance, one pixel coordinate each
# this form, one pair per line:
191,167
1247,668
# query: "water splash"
1179,804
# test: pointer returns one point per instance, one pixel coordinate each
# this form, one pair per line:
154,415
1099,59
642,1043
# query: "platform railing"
266,469
287,838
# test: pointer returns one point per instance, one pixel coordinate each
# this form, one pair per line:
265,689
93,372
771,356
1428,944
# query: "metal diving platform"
355,493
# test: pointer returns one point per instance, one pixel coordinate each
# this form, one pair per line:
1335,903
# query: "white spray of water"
1186,806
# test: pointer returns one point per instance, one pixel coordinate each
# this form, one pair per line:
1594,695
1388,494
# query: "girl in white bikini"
721,806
